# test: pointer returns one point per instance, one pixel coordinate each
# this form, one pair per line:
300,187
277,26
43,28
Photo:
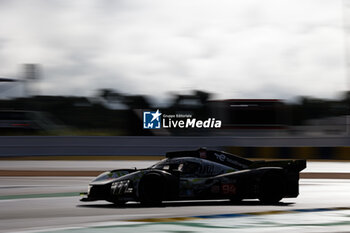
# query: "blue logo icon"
151,120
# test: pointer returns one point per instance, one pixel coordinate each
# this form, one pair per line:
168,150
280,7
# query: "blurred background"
272,68
76,76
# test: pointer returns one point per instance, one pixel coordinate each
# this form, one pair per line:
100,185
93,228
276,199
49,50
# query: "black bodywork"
200,175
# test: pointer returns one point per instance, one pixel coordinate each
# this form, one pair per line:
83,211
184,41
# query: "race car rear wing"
291,165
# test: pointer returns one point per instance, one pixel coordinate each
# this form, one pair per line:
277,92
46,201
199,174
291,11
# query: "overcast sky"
236,49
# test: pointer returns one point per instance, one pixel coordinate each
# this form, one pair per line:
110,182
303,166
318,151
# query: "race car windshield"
160,164
170,167
167,164
105,176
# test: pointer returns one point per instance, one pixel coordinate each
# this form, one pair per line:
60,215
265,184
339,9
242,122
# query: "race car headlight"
89,188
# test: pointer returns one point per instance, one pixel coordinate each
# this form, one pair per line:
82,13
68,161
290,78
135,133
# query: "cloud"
238,49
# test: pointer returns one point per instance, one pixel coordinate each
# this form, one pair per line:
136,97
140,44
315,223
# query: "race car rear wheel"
272,187
236,199
151,189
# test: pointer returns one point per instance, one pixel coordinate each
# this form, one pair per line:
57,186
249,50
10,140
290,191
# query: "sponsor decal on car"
228,189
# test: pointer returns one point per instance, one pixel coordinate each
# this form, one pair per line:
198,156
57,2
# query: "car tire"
119,203
236,199
272,187
151,189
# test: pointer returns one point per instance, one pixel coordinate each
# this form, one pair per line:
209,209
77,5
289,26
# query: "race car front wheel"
151,189
119,203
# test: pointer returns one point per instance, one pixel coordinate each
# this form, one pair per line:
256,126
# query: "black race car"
199,175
